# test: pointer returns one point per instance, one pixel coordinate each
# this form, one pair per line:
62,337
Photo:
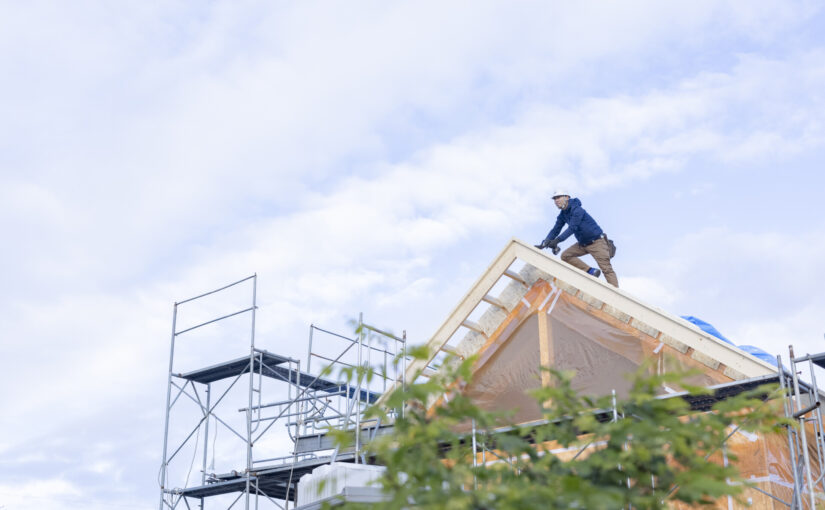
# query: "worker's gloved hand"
552,244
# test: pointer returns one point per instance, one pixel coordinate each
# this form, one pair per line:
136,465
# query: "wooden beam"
473,326
450,350
546,350
617,298
464,308
494,301
515,276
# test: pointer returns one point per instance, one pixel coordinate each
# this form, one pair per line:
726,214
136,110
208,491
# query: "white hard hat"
560,192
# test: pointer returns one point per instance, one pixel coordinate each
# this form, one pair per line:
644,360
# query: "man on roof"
591,239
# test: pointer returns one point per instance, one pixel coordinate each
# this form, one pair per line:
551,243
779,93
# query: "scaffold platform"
271,480
269,364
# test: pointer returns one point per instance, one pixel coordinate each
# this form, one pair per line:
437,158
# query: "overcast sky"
373,157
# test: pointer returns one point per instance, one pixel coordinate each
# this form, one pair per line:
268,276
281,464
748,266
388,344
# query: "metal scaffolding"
804,406
309,405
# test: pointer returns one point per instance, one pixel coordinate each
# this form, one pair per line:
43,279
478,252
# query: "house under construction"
243,431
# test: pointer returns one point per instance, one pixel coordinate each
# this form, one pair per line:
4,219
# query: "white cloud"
55,494
171,174
748,284
51,493
803,328
650,290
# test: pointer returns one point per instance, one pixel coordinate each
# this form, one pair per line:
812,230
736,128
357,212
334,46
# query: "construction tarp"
750,349
601,355
565,332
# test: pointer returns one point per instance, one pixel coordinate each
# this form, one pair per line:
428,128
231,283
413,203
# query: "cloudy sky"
372,157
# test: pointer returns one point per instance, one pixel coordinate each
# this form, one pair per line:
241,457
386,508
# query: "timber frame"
658,324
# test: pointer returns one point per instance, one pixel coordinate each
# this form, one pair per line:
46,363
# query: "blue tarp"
707,328
750,349
759,353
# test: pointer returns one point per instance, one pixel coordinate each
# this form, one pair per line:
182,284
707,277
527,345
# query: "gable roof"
593,295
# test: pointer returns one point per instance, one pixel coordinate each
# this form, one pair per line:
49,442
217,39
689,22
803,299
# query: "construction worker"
591,239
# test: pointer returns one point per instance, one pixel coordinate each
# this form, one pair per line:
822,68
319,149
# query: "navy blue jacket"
579,223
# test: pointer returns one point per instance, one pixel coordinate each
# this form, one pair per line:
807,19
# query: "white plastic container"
331,479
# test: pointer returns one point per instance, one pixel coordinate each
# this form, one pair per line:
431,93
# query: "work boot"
595,272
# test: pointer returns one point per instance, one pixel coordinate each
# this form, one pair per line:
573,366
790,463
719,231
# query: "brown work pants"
600,251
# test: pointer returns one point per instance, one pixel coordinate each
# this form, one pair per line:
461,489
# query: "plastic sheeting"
706,327
332,479
600,354
764,460
758,353
604,355
750,349
502,383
